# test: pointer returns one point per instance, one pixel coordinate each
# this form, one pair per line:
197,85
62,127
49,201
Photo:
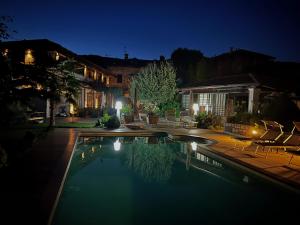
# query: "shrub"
281,109
107,121
244,118
170,105
112,123
103,120
204,120
127,110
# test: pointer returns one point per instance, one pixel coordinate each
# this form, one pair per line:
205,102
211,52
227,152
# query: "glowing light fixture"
82,155
254,132
117,145
194,146
118,107
195,108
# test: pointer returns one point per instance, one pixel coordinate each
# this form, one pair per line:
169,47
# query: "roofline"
218,86
70,53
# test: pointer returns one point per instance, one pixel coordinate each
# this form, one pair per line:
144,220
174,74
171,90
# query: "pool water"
155,180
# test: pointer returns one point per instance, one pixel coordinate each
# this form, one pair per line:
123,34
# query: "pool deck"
43,169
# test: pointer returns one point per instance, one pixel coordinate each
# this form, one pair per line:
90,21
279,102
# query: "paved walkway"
276,164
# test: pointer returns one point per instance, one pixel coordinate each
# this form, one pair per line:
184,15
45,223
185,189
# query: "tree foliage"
156,83
5,32
190,65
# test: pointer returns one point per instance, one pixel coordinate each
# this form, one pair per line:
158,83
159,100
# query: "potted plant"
152,113
127,112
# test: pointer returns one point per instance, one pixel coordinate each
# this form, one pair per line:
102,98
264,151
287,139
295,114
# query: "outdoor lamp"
194,146
117,145
195,108
118,107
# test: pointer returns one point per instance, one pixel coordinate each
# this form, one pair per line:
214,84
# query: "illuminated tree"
155,84
61,82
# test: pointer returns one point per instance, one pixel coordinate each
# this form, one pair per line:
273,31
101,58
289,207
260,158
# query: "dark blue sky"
152,28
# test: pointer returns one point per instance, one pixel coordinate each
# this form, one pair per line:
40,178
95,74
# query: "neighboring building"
121,69
240,80
92,77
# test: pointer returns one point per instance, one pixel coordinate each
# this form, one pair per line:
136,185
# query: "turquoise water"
141,180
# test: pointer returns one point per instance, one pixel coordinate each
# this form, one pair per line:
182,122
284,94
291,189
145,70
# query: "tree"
5,33
155,84
60,82
186,62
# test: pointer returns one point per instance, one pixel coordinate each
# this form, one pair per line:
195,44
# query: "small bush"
204,120
103,120
244,118
113,123
127,110
107,121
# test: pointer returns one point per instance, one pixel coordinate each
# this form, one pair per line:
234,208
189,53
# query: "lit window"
56,56
29,59
85,71
95,75
107,80
5,53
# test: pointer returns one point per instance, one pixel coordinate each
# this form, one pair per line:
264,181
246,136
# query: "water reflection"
153,162
117,145
151,158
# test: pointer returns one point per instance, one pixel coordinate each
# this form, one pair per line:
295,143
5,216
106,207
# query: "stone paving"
276,164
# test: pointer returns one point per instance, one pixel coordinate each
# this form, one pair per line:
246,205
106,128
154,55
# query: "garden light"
117,145
118,107
254,132
195,108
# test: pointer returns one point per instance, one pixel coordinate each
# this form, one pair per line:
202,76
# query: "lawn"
75,125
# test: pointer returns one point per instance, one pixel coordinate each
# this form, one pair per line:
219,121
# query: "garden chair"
273,134
290,141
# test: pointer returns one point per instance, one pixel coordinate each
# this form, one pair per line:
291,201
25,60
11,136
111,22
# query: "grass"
75,125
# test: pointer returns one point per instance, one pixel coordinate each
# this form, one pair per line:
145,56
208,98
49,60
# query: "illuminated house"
120,69
92,77
239,81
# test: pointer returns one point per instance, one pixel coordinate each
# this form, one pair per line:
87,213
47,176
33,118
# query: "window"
185,101
29,59
5,53
119,79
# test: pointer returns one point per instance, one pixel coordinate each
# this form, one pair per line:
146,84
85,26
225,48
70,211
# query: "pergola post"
253,99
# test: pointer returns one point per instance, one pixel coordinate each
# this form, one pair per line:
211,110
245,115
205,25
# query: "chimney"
126,56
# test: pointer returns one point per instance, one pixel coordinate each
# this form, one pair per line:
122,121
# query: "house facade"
93,78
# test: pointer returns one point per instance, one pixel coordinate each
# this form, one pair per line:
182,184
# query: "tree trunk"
52,118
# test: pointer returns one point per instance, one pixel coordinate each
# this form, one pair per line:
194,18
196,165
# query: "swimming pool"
158,180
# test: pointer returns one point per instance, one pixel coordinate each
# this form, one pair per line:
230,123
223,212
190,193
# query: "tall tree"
5,32
186,62
155,84
61,82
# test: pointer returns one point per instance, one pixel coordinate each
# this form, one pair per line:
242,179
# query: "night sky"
152,28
